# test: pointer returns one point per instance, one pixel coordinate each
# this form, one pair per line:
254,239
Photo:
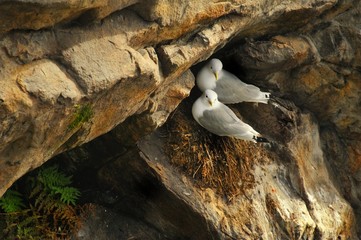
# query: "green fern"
56,183
51,177
68,195
11,201
51,212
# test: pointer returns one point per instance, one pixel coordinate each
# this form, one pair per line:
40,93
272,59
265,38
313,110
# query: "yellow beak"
216,75
210,102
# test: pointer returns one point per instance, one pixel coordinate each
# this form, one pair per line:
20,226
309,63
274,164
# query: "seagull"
229,88
221,120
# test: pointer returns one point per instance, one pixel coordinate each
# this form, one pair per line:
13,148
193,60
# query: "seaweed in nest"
221,163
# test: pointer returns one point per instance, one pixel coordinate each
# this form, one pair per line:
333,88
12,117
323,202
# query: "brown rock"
58,87
328,88
155,110
73,81
288,183
282,53
101,64
34,14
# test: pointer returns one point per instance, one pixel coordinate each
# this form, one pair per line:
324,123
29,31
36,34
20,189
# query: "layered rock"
189,184
71,71
288,191
321,74
100,60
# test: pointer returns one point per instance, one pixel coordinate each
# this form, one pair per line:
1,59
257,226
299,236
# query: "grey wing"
232,90
235,81
223,122
228,91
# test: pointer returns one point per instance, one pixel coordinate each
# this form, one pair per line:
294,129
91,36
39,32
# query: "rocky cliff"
73,71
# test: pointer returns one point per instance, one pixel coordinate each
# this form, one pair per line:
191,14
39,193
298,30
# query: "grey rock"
104,224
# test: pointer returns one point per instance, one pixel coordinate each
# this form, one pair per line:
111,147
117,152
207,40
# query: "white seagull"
229,88
220,119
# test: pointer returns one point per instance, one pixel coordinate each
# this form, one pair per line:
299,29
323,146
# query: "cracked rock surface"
72,71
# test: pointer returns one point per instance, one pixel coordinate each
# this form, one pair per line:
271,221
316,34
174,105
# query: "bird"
219,119
229,88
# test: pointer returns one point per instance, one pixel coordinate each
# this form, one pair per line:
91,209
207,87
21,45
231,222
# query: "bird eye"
206,96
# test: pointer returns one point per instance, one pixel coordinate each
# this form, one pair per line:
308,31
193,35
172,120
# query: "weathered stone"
291,216
140,188
35,14
47,82
104,224
178,57
331,91
155,110
292,187
313,183
101,64
109,7
39,90
282,53
75,80
184,13
118,97
338,44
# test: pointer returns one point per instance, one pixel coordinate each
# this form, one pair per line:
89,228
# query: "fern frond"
52,177
52,211
11,201
68,195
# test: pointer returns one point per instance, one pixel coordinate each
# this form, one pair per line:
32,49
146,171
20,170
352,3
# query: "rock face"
72,71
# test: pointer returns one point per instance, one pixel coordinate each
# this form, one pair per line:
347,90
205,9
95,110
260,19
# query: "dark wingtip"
261,139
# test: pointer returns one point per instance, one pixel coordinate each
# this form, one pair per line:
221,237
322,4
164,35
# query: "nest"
221,163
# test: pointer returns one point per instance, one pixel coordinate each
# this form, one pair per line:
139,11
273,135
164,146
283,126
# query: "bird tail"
260,97
264,97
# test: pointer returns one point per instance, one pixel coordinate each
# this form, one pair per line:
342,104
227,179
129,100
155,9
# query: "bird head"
211,97
216,66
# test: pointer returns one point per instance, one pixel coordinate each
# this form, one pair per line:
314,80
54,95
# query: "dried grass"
221,163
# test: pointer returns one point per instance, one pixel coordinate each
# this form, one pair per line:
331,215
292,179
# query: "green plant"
12,201
56,184
82,114
51,212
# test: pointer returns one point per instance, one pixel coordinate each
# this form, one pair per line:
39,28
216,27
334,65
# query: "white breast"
205,79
